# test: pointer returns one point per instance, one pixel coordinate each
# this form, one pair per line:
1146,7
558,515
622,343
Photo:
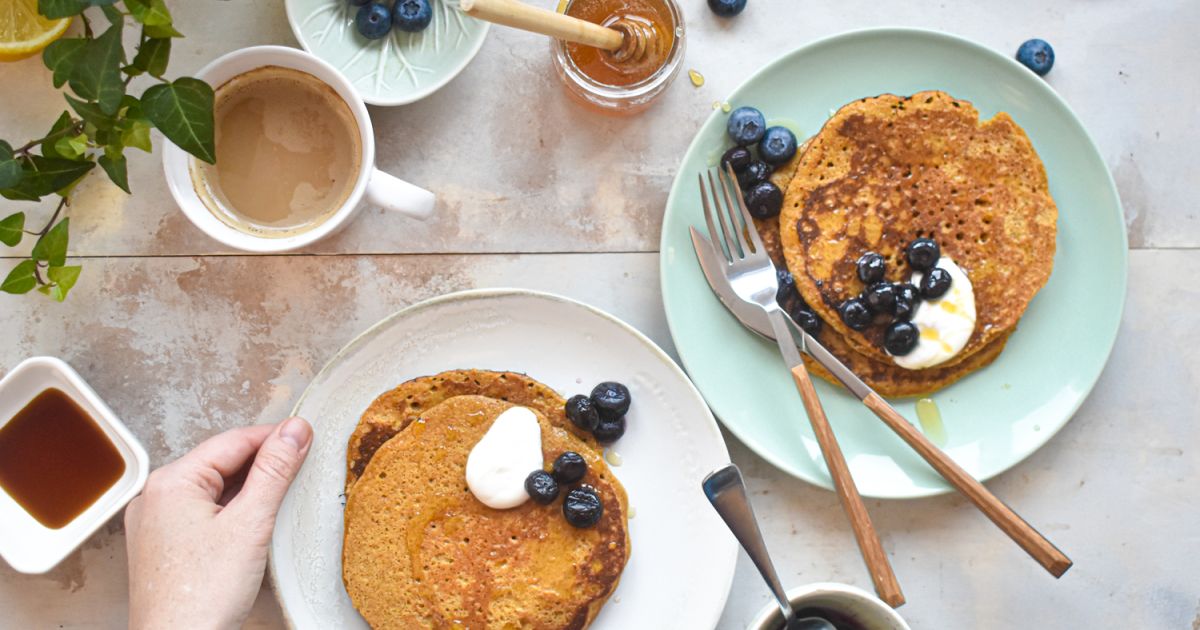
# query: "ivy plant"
100,120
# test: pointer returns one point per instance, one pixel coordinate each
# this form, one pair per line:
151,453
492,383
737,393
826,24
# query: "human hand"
197,536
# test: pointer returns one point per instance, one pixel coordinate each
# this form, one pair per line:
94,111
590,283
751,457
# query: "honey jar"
598,79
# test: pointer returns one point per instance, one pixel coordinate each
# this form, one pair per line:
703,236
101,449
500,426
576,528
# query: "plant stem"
76,127
53,218
87,25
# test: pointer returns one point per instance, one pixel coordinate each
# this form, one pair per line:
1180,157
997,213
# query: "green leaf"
71,147
149,12
116,169
64,120
63,278
10,168
90,112
12,228
97,75
61,56
21,279
61,8
52,246
163,31
136,134
113,14
152,56
42,176
183,111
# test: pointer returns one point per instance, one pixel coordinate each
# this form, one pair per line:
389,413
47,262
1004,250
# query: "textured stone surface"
183,343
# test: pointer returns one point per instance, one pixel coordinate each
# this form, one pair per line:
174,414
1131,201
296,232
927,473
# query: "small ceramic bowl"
397,69
27,545
854,604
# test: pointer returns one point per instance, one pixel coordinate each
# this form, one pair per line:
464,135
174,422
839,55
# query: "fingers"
274,468
215,459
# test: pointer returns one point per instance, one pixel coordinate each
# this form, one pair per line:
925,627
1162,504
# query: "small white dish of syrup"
67,464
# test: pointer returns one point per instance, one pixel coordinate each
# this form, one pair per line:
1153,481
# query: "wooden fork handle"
864,532
1032,541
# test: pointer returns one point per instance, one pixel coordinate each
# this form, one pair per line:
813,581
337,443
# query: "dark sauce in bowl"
840,620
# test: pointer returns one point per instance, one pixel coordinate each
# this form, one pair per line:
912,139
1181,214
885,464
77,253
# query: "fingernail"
295,431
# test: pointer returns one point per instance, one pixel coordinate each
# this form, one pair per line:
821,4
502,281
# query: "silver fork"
753,278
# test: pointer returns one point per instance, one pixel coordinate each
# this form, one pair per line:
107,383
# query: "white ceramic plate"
682,560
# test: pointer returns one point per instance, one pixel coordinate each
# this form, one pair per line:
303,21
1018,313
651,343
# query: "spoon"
727,493
626,39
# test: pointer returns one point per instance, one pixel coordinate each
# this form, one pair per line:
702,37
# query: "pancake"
420,551
885,377
395,409
886,170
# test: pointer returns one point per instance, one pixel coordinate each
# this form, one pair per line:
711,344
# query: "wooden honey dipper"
626,39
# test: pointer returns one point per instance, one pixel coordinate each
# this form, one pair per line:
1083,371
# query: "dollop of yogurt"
504,457
945,324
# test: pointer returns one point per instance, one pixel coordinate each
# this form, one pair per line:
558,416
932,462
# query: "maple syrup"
597,78
55,461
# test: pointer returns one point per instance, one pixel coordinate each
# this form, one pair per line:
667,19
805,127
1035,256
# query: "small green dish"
395,70
994,418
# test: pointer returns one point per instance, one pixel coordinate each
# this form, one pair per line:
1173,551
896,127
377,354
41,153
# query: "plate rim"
298,33
943,38
729,563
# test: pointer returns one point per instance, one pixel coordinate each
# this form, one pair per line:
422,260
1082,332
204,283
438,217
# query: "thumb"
275,466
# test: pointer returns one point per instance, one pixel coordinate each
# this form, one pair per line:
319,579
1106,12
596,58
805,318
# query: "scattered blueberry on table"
373,20
412,16
727,8
777,146
1037,55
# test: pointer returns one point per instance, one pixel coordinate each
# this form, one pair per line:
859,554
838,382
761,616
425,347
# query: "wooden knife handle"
864,532
1032,541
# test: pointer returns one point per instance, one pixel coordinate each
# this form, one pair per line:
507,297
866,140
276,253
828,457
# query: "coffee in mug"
288,153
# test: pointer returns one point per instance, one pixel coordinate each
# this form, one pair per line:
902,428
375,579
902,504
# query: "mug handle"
394,194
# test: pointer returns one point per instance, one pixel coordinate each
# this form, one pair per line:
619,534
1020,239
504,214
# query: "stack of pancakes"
886,170
421,552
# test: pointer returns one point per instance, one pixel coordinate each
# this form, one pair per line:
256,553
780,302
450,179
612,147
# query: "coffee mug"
372,187
854,606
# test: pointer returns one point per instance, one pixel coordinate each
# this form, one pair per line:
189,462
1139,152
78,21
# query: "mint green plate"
399,68
993,418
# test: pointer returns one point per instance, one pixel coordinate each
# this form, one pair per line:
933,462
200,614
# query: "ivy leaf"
183,111
12,228
152,56
52,246
112,13
116,168
149,12
42,176
97,75
10,168
21,279
71,147
163,31
136,134
63,278
55,9
90,112
64,120
61,56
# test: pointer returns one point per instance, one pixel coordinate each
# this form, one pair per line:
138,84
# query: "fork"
753,278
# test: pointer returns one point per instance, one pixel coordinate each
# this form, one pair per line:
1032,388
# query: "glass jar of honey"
599,79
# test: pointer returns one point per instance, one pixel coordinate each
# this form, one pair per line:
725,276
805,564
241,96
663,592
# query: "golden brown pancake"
395,409
886,170
420,551
885,377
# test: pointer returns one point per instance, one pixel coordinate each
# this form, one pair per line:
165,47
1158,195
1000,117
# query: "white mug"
863,608
372,188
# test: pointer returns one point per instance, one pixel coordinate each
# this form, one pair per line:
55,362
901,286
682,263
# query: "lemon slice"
23,32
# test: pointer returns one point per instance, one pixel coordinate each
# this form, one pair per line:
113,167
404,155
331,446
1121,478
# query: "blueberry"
738,158
582,507
746,126
901,338
778,145
923,254
764,200
611,398
787,286
907,291
569,467
855,313
541,487
870,268
1037,55
757,171
807,320
609,430
727,8
358,3
880,297
935,283
903,309
582,411
412,16
373,20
